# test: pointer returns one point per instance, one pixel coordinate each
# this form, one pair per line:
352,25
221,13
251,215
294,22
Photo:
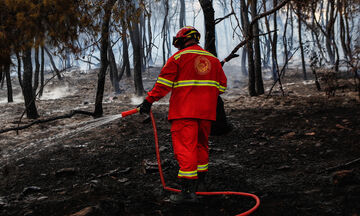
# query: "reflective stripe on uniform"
202,167
165,82
187,173
222,88
200,52
184,83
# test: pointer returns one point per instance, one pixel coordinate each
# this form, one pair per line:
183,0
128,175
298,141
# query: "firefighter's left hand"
145,107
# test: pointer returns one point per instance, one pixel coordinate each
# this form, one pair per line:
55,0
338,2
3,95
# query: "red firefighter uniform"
196,78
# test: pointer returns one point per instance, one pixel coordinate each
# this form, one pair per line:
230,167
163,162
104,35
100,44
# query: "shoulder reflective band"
200,52
199,83
202,167
187,173
165,82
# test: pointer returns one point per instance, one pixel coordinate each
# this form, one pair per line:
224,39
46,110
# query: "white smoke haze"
57,92
17,99
135,100
50,93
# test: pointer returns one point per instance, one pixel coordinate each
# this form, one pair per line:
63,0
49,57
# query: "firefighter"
196,78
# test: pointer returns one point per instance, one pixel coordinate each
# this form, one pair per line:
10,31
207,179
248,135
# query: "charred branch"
40,121
342,166
242,43
280,74
218,20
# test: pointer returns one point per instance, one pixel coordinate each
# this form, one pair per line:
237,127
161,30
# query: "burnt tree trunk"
348,31
53,64
113,69
342,30
291,42
164,29
19,69
104,43
37,71
244,70
1,72
126,62
182,14
2,77
274,46
150,37
8,82
137,57
135,40
314,31
259,85
301,44
266,52
209,17
249,47
31,111
270,42
143,41
330,21
285,40
42,78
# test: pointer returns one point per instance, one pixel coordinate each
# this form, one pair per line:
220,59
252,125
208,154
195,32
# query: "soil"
299,153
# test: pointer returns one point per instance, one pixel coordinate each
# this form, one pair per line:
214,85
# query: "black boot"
187,194
201,184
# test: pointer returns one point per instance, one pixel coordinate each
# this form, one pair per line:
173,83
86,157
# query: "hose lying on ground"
248,212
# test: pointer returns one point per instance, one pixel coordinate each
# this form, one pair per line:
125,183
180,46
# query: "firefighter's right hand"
145,107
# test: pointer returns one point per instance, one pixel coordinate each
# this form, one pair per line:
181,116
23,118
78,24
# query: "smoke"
17,99
49,94
136,100
57,92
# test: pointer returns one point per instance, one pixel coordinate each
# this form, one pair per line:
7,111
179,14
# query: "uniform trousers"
190,139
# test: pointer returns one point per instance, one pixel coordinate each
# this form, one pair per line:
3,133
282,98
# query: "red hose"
199,193
129,112
248,212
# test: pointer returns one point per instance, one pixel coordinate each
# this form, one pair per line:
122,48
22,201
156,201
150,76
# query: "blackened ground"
284,149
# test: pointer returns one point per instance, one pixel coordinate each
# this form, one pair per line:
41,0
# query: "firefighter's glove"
145,107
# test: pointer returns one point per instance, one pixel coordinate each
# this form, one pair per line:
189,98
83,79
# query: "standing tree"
6,72
52,62
114,76
148,56
42,76
259,85
121,19
164,29
209,16
273,40
37,71
248,35
248,31
126,62
135,10
300,41
182,18
104,43
27,89
27,24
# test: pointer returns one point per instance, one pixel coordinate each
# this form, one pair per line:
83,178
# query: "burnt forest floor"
291,151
